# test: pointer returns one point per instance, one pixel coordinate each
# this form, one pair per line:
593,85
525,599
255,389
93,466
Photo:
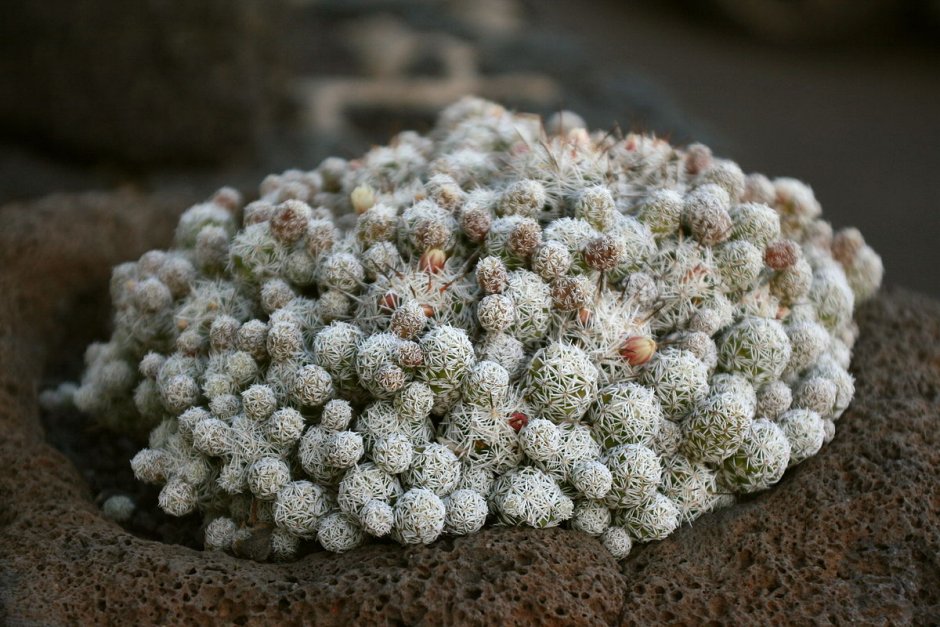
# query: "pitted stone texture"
850,535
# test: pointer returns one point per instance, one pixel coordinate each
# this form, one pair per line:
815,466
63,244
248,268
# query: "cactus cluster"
507,321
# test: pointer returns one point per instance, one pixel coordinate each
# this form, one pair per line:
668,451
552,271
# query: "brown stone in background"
139,82
851,535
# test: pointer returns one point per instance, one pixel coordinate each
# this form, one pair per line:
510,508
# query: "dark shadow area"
101,456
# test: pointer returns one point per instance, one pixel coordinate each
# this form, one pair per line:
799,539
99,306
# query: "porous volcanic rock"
851,535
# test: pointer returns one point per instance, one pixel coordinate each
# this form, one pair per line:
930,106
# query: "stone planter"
851,535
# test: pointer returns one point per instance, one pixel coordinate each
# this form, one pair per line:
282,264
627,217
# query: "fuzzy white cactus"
524,325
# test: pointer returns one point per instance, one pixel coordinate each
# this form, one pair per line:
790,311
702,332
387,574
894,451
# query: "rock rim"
851,535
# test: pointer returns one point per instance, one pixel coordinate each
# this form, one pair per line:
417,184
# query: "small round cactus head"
419,517
561,382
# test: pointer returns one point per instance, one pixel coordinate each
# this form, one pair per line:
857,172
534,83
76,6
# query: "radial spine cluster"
503,322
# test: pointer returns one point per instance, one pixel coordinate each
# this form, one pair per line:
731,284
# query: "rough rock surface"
851,535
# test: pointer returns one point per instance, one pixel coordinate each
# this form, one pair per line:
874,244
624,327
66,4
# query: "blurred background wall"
844,94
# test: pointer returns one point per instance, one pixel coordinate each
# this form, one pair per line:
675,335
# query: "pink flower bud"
638,350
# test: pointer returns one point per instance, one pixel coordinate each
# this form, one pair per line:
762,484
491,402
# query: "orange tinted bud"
638,350
389,302
432,261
